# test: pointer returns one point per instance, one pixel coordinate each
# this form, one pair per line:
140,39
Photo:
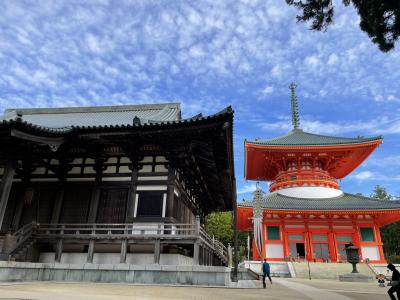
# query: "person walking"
395,282
266,272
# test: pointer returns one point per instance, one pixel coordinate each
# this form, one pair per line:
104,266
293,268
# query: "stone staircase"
327,270
21,252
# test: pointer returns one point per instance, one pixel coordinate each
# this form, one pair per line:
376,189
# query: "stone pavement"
281,289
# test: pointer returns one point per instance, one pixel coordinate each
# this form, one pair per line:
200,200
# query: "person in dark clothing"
266,272
395,288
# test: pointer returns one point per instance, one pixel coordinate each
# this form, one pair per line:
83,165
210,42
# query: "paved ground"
281,289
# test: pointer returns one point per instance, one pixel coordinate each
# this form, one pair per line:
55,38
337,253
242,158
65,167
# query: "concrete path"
310,291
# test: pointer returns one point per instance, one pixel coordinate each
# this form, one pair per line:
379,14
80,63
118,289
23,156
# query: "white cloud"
364,175
247,188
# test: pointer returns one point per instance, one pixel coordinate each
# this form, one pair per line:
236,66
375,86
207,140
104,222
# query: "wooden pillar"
356,237
379,243
5,188
196,252
55,218
308,243
333,255
130,207
90,252
94,202
285,238
19,209
157,252
59,249
170,193
124,248
264,240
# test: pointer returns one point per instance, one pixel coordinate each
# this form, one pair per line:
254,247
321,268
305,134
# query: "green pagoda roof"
298,137
344,202
63,120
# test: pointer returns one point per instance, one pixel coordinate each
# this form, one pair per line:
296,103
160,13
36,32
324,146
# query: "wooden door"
112,205
40,208
76,202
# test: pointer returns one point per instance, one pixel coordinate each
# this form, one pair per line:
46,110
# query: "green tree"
380,193
220,225
389,233
380,19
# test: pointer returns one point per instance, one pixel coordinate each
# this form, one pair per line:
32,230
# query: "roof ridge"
94,109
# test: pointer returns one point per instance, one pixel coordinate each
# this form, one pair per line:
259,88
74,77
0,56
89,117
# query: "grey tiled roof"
96,116
298,137
344,202
60,120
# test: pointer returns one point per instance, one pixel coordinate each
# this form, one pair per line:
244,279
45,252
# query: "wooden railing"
144,231
20,236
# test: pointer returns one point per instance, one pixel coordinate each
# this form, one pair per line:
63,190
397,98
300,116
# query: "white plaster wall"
114,258
310,192
370,252
274,250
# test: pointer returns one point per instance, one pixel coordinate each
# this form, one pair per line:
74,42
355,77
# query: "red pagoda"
306,215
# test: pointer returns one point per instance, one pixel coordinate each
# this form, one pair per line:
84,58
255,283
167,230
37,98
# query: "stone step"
327,270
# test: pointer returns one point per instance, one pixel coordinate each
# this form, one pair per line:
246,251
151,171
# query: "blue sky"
208,55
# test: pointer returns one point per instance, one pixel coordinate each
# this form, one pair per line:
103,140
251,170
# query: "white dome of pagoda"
310,192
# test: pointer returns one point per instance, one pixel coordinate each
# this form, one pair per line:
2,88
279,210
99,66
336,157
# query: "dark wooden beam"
5,188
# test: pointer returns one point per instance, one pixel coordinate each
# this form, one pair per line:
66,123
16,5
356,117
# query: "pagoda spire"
295,107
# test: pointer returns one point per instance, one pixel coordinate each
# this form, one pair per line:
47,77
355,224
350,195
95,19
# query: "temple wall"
319,240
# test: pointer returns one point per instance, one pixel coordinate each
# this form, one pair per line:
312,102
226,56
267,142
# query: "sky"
208,55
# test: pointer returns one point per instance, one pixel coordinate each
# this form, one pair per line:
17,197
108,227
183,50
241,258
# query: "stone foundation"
122,273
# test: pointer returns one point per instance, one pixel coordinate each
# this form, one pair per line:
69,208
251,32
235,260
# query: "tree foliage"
390,234
220,225
380,19
380,193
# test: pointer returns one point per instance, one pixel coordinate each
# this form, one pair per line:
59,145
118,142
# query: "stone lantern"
352,256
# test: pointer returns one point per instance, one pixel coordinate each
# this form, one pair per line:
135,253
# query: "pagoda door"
112,205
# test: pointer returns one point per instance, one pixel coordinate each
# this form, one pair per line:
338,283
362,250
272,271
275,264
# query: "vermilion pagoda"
306,215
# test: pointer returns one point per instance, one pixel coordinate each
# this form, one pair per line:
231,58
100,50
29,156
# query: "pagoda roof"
65,120
298,137
346,202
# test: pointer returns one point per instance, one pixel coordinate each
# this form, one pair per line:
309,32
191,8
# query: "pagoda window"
292,166
320,238
273,233
344,238
367,234
305,165
296,237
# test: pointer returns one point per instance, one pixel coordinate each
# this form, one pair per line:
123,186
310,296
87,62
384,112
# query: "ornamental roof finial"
295,107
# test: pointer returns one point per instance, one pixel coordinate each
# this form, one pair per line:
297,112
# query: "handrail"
22,235
120,230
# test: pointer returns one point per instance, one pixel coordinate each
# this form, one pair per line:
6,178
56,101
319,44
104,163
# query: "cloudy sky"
208,55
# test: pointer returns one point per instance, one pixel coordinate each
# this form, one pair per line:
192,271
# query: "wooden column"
285,241
308,243
196,252
18,210
130,206
170,193
333,255
124,248
90,252
379,243
59,248
5,188
157,252
55,217
94,202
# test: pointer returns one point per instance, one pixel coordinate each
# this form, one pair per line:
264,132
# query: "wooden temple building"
305,215
117,184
